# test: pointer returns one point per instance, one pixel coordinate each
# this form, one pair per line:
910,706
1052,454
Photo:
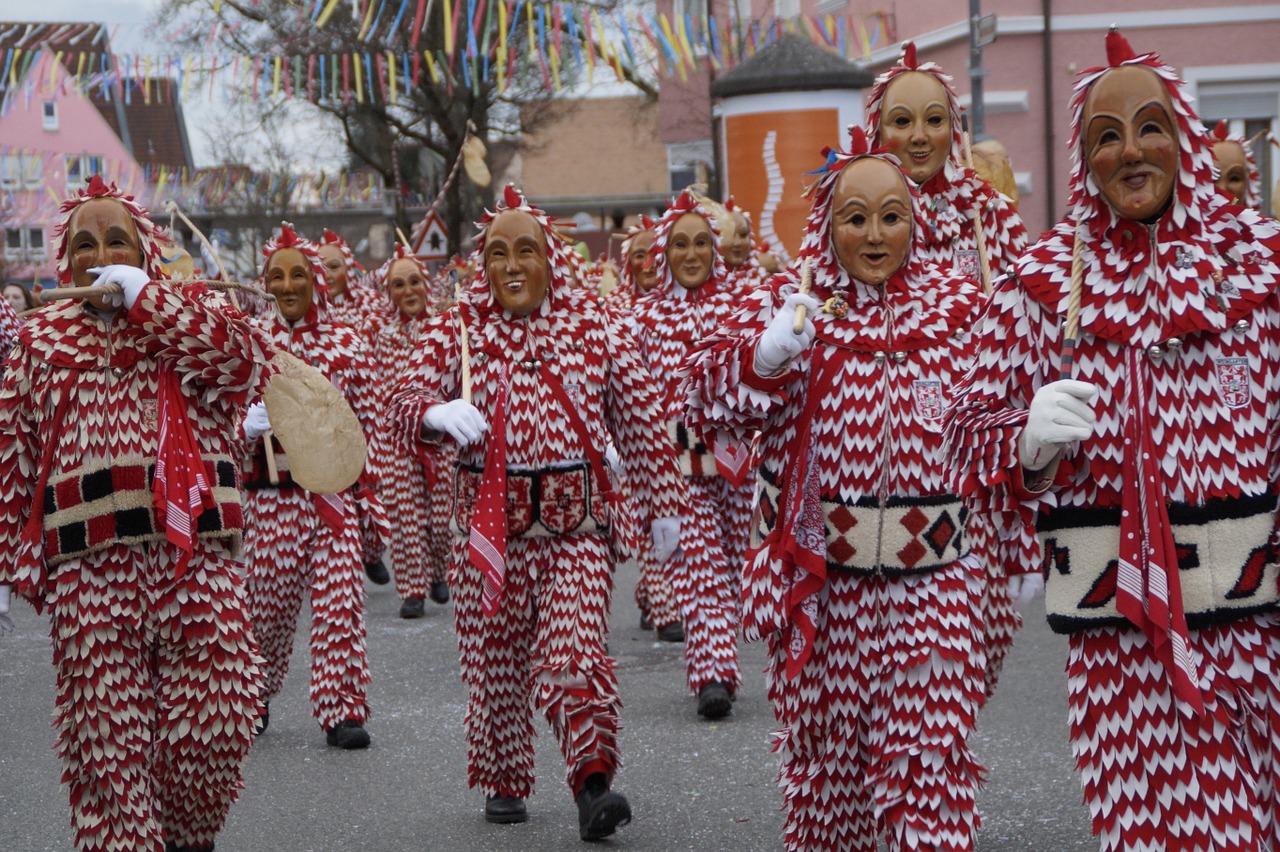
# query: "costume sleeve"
1006,236
218,350
433,376
19,458
718,385
634,418
361,387
1016,344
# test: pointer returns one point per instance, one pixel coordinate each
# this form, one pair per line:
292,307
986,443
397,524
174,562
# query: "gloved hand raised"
256,421
779,343
459,418
666,538
1060,413
6,623
1023,588
130,279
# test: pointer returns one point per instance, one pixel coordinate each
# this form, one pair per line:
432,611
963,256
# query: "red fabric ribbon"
487,546
180,491
1148,590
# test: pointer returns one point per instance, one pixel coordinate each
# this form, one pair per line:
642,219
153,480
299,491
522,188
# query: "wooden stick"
79,292
404,241
1071,331
984,269
175,210
466,347
273,474
802,310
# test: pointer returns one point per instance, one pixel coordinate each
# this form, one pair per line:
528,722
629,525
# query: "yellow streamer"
448,28
355,62
502,46
13,69
666,30
431,67
275,75
391,75
368,19
324,16
683,34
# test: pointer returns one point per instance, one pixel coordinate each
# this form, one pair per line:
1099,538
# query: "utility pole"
977,110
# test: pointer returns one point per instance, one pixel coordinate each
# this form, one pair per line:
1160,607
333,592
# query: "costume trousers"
875,725
374,525
418,509
544,648
289,552
1000,618
705,576
1158,776
653,592
158,689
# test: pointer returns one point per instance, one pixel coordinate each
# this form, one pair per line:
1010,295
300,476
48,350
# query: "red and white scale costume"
705,574
300,543
1180,333
361,307
415,488
158,682
1253,190
545,645
949,200
859,575
653,592
751,274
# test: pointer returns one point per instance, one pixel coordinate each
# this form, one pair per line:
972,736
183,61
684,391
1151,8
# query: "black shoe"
413,608
504,810
170,846
440,592
347,735
264,719
377,572
645,623
672,632
714,701
601,811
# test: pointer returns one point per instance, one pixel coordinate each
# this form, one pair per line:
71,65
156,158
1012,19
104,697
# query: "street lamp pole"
977,111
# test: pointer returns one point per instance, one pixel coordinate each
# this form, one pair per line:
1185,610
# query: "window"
50,115
788,8
10,171
36,249
33,171
13,244
91,166
80,169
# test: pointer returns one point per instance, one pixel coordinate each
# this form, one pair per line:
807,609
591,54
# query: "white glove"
130,279
459,418
612,458
256,421
1059,414
666,538
6,623
1024,588
779,343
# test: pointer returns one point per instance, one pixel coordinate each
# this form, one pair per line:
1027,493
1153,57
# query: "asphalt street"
692,784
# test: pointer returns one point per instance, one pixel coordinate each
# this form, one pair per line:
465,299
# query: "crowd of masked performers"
867,457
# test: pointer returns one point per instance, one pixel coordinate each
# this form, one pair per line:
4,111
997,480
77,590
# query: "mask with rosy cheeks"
515,256
289,278
690,251
915,124
1233,170
1131,142
871,220
335,269
101,233
407,287
737,248
637,257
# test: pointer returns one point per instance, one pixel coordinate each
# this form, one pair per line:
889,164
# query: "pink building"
59,124
1226,50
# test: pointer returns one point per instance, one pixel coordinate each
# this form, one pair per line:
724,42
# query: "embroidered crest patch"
1233,381
966,263
929,400
150,411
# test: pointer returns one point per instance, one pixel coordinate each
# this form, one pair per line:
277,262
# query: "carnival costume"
120,511
298,543
1221,134
414,488
950,198
705,574
532,584
1159,526
859,573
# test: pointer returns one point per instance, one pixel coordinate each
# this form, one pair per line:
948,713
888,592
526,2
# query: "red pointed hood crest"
1118,49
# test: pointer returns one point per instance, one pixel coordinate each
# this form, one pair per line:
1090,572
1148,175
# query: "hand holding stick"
805,281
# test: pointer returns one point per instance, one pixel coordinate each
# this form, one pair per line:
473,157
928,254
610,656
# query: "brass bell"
1242,325
1155,351
899,357
1173,344
879,357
